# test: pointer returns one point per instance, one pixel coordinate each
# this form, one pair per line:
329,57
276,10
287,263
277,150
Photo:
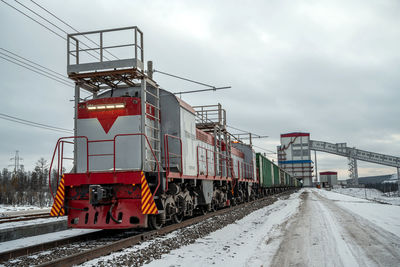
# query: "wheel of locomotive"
154,223
203,210
213,205
177,217
246,197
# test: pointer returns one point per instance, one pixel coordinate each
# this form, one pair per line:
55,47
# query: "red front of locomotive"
109,188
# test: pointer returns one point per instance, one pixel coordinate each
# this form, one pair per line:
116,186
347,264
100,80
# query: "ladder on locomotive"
152,125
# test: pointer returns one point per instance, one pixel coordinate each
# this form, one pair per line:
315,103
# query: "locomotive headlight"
107,106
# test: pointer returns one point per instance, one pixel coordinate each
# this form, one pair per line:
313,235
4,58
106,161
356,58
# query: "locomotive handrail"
248,170
57,148
221,160
151,149
167,153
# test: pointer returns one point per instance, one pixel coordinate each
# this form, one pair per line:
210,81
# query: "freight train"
142,156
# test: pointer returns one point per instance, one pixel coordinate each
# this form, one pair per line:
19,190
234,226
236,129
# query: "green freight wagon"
281,177
276,175
264,167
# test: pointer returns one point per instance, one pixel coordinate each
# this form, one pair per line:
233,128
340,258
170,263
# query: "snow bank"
383,215
8,210
370,194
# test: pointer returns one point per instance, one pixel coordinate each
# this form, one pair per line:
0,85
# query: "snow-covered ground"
311,228
8,210
338,230
39,239
371,194
251,241
247,242
15,225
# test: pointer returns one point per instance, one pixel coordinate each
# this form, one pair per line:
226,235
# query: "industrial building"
328,178
294,156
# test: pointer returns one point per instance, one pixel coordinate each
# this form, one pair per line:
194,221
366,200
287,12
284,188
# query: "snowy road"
325,233
311,228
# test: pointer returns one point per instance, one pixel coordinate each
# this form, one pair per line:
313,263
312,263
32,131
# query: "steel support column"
398,180
316,166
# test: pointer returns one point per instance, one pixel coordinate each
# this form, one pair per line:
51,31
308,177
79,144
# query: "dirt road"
325,234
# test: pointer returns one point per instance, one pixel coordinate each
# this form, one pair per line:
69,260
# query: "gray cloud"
325,67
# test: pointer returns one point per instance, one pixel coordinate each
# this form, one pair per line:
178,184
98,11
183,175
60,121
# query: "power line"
182,78
33,19
46,72
41,124
34,63
65,23
33,124
267,150
237,129
41,72
40,16
36,71
41,24
202,90
51,23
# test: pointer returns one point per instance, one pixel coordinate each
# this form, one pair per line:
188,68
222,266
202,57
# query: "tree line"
20,187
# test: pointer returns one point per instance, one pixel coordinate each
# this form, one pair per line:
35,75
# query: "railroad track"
26,217
113,246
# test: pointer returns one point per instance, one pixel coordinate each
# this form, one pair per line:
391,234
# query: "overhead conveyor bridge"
342,149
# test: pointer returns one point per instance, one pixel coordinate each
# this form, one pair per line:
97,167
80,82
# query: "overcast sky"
330,68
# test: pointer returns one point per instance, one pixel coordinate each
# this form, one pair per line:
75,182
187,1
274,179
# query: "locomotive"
142,156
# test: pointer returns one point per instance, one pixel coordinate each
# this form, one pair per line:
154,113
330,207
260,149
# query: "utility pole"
16,163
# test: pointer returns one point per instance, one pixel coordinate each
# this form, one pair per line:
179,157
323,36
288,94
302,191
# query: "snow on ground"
233,245
248,242
15,225
384,216
336,230
39,239
8,210
371,194
311,228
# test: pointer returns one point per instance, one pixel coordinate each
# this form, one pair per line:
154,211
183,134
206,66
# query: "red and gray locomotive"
142,156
